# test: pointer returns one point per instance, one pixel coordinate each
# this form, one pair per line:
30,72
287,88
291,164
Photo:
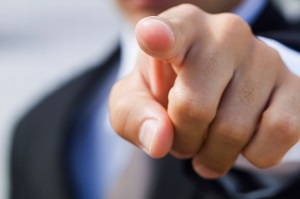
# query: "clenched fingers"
204,89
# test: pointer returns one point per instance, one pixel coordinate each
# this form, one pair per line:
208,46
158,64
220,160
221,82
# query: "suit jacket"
40,141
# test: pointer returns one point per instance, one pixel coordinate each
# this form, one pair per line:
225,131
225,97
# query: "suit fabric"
40,140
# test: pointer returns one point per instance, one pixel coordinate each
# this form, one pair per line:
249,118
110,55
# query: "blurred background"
56,39
290,8
42,45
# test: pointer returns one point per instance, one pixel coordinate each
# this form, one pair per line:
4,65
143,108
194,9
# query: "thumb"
138,118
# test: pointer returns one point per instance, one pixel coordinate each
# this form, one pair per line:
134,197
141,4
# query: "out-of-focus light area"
56,28
290,9
42,45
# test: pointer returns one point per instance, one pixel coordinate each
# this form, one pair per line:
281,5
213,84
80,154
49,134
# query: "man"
209,91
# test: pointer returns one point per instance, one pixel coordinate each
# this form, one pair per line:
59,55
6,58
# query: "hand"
205,88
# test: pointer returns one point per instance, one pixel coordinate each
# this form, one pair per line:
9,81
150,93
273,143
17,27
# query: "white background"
43,43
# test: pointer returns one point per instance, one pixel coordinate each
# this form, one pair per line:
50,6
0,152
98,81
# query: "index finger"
169,36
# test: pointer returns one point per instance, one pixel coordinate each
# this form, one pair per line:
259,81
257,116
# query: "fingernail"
206,172
147,134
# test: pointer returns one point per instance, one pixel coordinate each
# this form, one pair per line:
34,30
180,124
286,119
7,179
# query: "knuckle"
190,107
233,133
234,24
232,32
284,127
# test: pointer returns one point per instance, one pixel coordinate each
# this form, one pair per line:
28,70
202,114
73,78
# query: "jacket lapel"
175,179
38,168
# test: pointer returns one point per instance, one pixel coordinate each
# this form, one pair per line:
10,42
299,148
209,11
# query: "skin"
135,10
206,90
